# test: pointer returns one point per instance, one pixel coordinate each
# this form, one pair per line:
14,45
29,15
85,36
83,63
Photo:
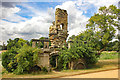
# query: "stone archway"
79,66
53,59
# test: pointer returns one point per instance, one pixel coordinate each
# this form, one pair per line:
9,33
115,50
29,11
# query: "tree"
72,37
42,37
17,43
103,24
113,46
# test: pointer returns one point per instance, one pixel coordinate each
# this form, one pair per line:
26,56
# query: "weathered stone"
43,60
77,64
58,31
45,42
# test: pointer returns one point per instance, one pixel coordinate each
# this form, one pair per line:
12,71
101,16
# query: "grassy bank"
109,55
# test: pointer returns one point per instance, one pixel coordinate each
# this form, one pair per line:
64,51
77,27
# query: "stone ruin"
58,31
57,36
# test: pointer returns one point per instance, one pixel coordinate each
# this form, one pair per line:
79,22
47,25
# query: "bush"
20,61
44,69
8,60
78,50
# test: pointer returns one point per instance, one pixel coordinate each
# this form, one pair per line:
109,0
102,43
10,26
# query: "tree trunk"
99,52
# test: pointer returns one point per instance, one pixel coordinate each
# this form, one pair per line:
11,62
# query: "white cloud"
36,27
39,24
10,14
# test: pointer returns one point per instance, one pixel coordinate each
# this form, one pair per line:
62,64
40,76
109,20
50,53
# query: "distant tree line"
3,47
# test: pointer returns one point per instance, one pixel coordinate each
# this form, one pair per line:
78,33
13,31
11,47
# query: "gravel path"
104,74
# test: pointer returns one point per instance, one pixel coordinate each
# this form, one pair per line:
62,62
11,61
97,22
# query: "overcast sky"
32,19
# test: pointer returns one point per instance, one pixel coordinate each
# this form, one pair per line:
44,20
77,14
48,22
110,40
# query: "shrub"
20,61
44,69
8,60
77,51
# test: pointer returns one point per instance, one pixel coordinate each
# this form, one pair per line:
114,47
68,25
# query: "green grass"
109,55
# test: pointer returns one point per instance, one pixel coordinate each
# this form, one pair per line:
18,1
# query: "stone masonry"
58,31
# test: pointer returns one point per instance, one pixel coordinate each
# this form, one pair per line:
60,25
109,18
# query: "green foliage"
84,49
72,37
42,37
113,46
39,45
79,50
17,42
64,58
103,24
26,59
44,69
30,43
8,60
49,43
21,60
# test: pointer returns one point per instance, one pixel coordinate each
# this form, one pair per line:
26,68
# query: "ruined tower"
58,31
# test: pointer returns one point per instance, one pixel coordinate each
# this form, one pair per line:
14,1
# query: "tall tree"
103,24
17,42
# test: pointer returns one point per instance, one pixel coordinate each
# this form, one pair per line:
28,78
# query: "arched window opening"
61,27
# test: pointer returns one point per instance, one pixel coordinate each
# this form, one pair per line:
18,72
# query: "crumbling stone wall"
43,60
58,31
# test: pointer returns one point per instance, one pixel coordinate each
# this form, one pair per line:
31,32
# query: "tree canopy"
16,43
103,24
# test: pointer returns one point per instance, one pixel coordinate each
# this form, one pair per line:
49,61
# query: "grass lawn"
103,64
109,55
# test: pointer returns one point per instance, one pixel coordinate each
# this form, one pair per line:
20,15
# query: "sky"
30,19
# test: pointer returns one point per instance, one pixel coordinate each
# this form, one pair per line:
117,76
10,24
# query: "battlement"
60,11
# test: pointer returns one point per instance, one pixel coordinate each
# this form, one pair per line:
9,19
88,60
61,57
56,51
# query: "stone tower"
58,31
